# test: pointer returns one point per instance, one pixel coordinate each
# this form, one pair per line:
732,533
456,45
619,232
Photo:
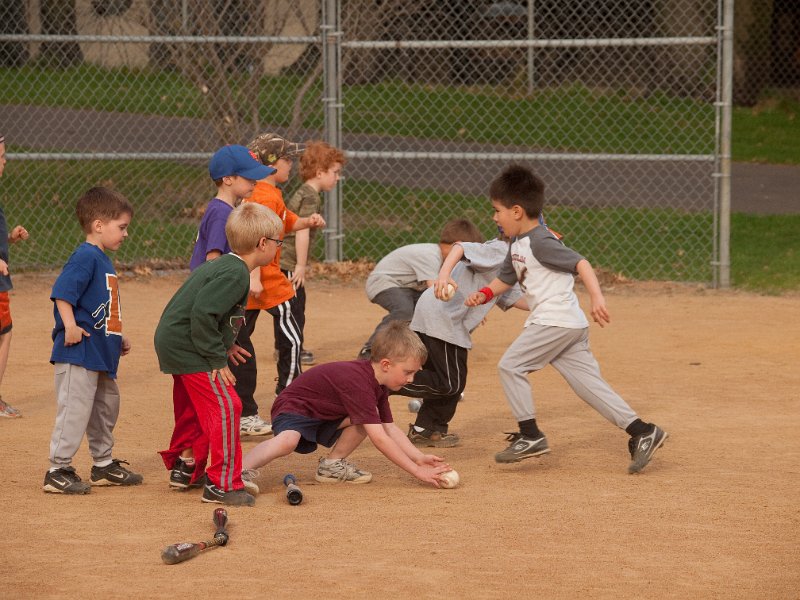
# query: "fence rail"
624,113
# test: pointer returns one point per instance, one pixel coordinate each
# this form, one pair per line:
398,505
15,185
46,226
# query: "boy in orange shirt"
270,290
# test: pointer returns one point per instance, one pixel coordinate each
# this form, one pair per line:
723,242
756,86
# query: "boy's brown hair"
101,203
517,185
460,230
319,156
248,223
397,342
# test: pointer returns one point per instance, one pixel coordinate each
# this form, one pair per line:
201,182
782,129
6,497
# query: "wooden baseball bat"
183,551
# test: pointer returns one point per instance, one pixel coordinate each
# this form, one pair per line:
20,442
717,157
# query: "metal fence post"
722,276
331,33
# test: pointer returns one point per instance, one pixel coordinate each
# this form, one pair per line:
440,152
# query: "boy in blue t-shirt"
87,345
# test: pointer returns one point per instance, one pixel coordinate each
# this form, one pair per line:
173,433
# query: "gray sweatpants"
568,351
88,402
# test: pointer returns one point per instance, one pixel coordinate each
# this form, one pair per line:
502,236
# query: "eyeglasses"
278,243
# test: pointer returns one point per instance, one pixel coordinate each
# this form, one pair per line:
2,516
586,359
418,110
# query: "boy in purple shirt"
235,171
340,404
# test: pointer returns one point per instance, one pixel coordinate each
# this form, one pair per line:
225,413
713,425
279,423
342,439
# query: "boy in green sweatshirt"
194,340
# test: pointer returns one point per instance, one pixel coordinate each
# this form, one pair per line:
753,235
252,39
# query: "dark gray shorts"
312,431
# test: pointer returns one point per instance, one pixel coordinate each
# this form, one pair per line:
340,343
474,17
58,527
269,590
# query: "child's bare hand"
126,345
17,234
440,288
225,374
430,473
316,220
432,460
256,288
298,276
74,334
238,355
475,299
3,267
599,312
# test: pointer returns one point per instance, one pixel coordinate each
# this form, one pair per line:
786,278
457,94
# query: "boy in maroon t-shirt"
340,404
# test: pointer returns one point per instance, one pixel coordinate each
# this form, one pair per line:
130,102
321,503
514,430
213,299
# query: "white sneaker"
254,425
248,479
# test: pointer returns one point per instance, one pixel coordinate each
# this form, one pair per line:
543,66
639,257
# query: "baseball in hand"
448,292
448,479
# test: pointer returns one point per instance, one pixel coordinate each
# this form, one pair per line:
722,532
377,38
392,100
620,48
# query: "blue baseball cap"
237,160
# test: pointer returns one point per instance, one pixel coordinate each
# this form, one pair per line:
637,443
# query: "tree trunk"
12,20
752,55
58,18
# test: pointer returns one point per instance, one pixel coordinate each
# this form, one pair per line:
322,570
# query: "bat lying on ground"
293,493
177,553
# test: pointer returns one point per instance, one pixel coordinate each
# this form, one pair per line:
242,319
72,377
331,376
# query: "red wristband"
487,291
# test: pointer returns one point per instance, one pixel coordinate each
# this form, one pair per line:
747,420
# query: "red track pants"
207,416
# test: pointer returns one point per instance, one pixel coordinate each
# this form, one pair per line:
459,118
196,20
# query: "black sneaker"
642,447
306,357
115,474
212,493
522,447
65,481
432,439
181,476
365,353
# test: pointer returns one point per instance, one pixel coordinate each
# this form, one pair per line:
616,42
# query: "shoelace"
250,474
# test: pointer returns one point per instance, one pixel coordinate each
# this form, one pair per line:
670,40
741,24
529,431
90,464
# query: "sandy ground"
715,515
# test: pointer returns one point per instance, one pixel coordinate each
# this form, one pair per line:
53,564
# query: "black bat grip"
293,493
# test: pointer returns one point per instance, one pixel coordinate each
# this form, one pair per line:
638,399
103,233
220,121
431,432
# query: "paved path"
757,189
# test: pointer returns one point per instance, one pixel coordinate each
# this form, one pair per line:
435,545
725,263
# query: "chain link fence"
614,103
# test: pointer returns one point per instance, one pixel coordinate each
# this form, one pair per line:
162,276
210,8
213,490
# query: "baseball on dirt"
448,292
414,405
449,479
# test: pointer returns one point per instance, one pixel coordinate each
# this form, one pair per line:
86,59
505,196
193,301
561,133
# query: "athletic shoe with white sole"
181,476
522,447
8,411
212,493
340,471
114,474
254,425
306,357
642,447
432,439
248,479
65,481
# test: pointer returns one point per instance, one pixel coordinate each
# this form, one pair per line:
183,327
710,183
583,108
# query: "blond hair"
248,223
397,342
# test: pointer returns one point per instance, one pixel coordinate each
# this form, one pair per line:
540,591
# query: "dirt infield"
715,515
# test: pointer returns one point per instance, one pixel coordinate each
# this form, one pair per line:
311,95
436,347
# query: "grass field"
573,117
168,205
169,196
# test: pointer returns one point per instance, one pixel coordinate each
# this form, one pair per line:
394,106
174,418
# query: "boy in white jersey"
556,332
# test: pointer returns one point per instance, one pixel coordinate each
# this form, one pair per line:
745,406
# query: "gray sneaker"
249,477
65,481
338,471
522,447
254,425
642,448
